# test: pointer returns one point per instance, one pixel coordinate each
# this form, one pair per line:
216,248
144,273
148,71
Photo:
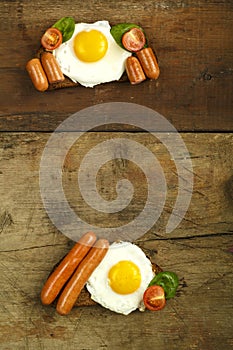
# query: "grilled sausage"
76,283
51,68
149,62
62,273
134,70
37,74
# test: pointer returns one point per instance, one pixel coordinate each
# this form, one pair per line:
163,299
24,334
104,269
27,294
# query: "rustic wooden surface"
194,43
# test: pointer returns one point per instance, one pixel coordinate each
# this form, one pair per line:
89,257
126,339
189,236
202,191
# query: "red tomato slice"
154,298
51,39
134,40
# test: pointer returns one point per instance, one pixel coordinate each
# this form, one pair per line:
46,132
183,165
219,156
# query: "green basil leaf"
119,30
168,280
66,26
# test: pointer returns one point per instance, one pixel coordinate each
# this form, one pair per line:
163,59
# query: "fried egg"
119,281
91,56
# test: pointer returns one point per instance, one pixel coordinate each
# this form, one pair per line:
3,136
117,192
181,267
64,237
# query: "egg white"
89,74
98,285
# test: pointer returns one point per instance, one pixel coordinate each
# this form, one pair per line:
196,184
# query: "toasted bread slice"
84,298
68,82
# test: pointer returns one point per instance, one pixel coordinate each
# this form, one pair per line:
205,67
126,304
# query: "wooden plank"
199,317
24,222
194,90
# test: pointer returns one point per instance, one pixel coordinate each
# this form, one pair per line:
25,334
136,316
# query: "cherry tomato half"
154,298
133,40
51,39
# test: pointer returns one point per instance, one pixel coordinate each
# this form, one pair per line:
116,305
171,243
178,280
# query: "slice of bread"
68,82
84,298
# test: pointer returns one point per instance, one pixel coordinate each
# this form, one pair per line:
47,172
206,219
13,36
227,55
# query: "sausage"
134,70
51,68
62,273
76,283
149,62
37,74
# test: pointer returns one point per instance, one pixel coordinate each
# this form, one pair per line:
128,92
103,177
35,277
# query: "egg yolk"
124,277
90,46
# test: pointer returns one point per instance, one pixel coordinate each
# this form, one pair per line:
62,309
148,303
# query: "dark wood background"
194,44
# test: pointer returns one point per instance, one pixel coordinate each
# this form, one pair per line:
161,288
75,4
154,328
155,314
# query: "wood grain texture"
193,42
198,251
22,211
198,318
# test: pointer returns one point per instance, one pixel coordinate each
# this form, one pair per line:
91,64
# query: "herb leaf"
168,280
66,25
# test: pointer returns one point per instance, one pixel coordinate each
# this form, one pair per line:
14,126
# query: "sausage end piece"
149,62
51,68
134,70
37,74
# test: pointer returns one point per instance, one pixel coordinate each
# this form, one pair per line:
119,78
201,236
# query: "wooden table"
194,44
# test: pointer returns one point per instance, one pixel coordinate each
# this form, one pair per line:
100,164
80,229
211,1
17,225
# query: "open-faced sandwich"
87,54
118,276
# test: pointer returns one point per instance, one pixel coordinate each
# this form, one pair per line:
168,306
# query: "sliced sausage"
37,74
51,68
134,70
149,62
